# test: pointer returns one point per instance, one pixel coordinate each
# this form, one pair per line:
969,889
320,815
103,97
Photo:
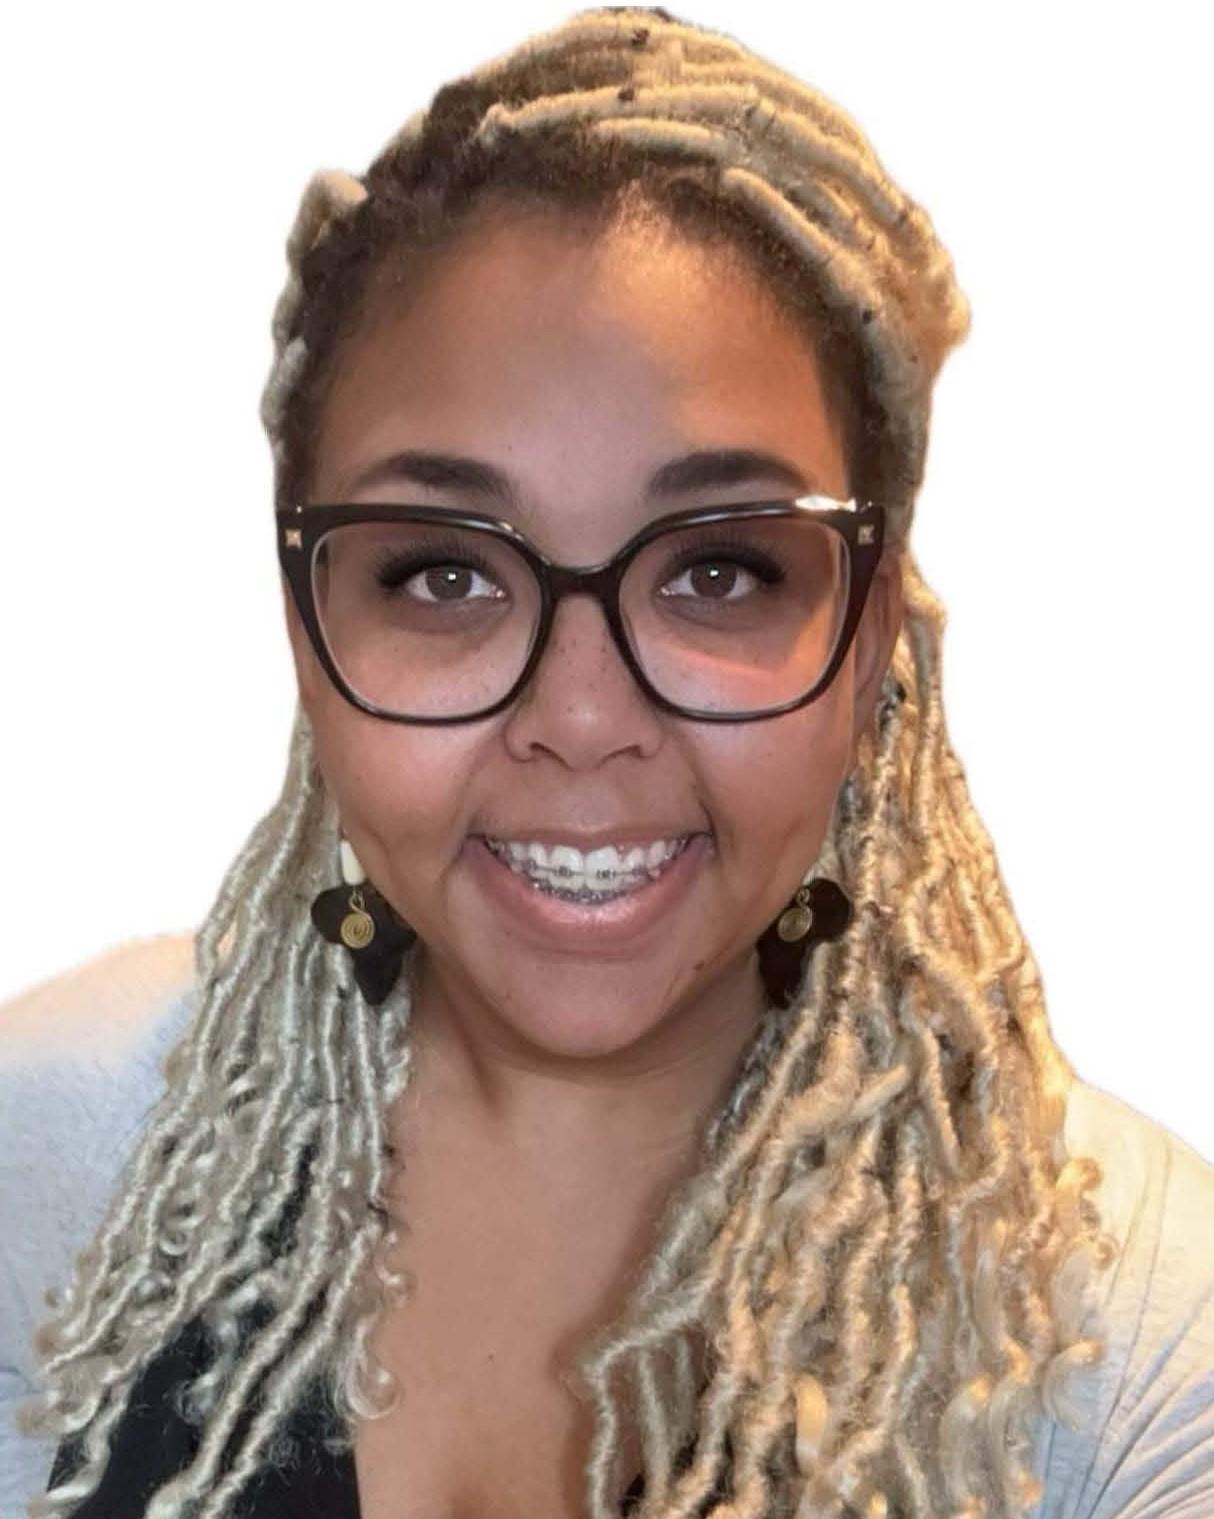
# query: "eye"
711,579
439,581
714,572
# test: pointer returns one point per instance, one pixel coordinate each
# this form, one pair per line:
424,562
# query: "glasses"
727,614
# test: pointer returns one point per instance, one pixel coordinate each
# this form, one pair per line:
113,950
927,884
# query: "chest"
485,1434
508,1284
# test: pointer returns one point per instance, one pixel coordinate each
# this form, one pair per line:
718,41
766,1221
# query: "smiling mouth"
596,880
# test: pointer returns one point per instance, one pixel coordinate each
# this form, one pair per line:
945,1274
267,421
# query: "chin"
583,1012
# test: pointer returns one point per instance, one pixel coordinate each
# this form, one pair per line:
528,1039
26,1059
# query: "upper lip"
594,838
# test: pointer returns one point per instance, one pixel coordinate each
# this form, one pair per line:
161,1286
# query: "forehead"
570,360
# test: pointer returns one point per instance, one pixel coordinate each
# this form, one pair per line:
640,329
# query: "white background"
152,160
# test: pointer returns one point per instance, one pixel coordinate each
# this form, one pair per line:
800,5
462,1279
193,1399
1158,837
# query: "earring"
359,917
819,910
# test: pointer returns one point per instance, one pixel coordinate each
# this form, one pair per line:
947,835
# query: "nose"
582,702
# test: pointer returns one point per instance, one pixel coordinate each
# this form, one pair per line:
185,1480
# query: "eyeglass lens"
424,619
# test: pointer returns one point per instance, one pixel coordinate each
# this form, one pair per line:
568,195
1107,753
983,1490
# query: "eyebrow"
700,470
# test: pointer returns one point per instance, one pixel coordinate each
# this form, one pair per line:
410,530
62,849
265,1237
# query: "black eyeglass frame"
299,527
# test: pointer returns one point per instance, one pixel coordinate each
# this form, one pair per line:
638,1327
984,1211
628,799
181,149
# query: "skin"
579,366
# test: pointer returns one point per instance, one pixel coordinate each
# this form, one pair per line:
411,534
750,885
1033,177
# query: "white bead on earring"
352,872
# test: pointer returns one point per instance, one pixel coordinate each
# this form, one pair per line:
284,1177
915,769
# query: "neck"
644,1101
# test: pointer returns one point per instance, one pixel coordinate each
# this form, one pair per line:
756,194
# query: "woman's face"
577,368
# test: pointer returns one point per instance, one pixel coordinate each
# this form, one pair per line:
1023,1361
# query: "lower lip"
595,925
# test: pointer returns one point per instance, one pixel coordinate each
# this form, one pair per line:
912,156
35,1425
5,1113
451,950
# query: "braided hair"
881,1262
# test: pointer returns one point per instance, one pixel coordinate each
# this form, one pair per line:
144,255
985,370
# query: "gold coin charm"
358,926
795,921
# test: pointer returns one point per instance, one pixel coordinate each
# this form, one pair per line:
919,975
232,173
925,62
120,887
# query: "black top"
152,1443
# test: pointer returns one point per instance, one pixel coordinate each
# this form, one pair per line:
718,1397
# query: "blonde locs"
874,1284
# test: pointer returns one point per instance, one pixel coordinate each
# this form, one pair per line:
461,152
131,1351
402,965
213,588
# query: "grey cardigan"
81,1067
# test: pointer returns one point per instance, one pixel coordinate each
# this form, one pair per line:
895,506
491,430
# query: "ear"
880,624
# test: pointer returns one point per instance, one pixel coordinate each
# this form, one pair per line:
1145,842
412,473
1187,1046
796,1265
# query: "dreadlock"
871,1289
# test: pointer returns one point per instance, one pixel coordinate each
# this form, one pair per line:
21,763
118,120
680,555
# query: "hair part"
871,1291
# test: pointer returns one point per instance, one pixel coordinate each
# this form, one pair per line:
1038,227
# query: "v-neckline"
152,1442
338,1477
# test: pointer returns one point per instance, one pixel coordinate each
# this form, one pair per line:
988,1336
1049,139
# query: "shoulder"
81,1066
1146,1443
98,1011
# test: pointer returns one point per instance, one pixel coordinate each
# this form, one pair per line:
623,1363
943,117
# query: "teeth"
565,861
600,872
604,862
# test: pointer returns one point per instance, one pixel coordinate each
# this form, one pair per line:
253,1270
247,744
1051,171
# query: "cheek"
773,784
401,793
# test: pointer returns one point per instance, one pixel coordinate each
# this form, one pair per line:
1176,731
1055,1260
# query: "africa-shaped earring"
359,917
819,910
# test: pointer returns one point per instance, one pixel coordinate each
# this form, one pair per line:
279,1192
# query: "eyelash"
393,570
765,566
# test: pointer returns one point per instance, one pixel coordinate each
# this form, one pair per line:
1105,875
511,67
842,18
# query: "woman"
614,1078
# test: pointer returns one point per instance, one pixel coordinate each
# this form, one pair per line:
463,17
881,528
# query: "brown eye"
711,573
447,582
429,580
714,581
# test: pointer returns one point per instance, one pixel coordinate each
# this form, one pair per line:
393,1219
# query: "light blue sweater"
81,1066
